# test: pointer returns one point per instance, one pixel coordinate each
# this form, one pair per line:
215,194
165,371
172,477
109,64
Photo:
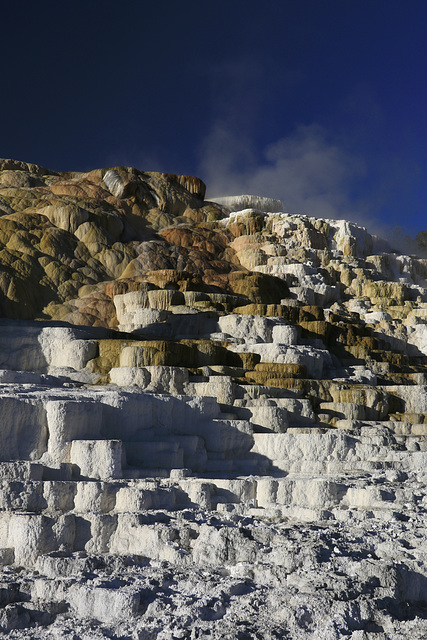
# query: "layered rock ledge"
213,420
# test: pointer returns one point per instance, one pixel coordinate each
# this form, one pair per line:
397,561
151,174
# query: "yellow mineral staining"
109,355
73,246
65,216
275,374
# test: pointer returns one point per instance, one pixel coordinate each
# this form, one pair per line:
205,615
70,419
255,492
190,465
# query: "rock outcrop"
213,421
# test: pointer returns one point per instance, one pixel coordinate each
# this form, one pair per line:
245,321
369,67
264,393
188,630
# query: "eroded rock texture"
213,420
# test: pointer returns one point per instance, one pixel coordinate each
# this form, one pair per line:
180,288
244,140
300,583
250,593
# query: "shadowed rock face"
228,435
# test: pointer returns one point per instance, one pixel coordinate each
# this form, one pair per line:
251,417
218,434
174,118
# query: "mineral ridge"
213,416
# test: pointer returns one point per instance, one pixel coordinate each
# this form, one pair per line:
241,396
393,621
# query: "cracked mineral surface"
213,416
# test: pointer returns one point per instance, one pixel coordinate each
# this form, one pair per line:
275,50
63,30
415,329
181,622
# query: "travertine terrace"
213,416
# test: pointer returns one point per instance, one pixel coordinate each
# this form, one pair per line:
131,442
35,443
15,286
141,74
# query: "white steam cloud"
309,170
306,170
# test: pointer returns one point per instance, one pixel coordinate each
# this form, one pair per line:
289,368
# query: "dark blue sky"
321,103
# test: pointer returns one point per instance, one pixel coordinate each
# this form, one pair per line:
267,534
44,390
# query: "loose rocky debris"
256,578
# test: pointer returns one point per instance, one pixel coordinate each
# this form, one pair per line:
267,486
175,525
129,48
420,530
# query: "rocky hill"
213,416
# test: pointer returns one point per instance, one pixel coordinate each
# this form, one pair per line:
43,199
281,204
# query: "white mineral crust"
149,502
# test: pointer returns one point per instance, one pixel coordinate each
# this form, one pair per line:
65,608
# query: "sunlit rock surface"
213,416
237,203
